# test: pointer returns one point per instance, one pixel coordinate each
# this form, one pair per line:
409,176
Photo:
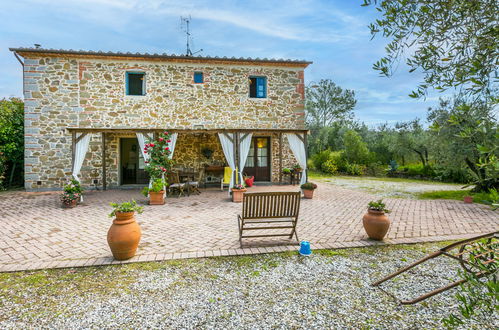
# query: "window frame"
265,87
127,86
194,77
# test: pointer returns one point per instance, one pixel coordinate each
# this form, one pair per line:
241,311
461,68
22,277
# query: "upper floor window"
198,78
258,87
135,83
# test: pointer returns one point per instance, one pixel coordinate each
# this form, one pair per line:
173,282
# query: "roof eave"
94,54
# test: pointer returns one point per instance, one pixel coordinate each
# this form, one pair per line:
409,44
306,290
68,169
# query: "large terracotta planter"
468,199
237,195
308,193
124,236
376,224
157,198
70,205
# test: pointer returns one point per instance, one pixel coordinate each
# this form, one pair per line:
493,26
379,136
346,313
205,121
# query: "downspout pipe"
22,64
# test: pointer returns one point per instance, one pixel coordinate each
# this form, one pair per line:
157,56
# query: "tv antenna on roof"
184,25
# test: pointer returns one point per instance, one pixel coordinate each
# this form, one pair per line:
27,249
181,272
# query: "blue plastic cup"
305,248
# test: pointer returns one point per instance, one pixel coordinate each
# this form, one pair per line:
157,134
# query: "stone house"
87,113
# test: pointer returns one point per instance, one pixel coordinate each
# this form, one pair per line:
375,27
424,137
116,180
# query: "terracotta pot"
157,198
70,205
376,224
237,195
468,199
308,193
124,235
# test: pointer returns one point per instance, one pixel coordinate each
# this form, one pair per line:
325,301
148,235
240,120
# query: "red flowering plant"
159,163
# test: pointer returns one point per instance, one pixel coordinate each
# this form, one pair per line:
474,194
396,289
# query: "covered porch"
105,158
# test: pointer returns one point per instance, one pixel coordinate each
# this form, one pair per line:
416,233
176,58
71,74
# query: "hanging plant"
207,152
159,162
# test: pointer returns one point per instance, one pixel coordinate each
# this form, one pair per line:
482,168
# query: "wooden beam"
231,139
173,130
306,155
104,179
73,150
300,137
82,135
280,158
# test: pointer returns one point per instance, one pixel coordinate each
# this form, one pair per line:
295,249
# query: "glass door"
258,162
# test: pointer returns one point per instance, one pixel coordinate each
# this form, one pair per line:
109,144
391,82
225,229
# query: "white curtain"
244,147
142,142
80,152
228,149
171,145
298,149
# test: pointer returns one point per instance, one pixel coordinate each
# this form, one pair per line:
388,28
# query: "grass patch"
454,195
317,175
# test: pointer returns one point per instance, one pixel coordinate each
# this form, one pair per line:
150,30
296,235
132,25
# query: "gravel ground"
387,188
327,290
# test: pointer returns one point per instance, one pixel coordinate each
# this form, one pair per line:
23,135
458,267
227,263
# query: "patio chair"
194,185
226,178
175,187
271,211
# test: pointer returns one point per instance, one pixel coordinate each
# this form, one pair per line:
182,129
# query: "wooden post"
237,155
104,181
306,154
73,150
280,158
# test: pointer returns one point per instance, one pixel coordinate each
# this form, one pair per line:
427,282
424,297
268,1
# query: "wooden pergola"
234,135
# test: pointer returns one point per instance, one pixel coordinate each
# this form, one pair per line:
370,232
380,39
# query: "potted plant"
308,189
297,168
124,234
156,193
71,194
375,222
237,193
468,199
159,162
286,171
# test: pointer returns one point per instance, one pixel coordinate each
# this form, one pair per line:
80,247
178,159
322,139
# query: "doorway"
258,162
132,162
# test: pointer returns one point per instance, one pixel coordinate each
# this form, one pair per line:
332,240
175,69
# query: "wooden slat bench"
269,211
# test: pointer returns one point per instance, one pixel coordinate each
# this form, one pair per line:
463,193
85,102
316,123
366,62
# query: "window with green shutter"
258,87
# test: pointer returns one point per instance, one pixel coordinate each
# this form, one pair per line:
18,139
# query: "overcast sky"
332,34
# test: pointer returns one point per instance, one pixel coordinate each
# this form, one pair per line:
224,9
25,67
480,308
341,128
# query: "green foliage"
479,295
453,43
355,169
327,103
159,162
125,207
319,158
465,134
308,186
3,168
329,167
158,185
356,151
377,206
286,170
11,138
73,186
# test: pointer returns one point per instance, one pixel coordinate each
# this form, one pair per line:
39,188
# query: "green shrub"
319,158
329,167
355,169
417,170
3,167
356,150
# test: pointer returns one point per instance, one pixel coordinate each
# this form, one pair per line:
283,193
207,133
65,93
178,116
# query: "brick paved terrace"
37,233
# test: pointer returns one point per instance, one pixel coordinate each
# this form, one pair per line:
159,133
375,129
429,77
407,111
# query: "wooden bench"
269,211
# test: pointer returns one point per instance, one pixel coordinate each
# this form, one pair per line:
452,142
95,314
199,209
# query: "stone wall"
90,93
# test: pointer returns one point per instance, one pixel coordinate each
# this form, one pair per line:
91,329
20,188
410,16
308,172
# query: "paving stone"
37,233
